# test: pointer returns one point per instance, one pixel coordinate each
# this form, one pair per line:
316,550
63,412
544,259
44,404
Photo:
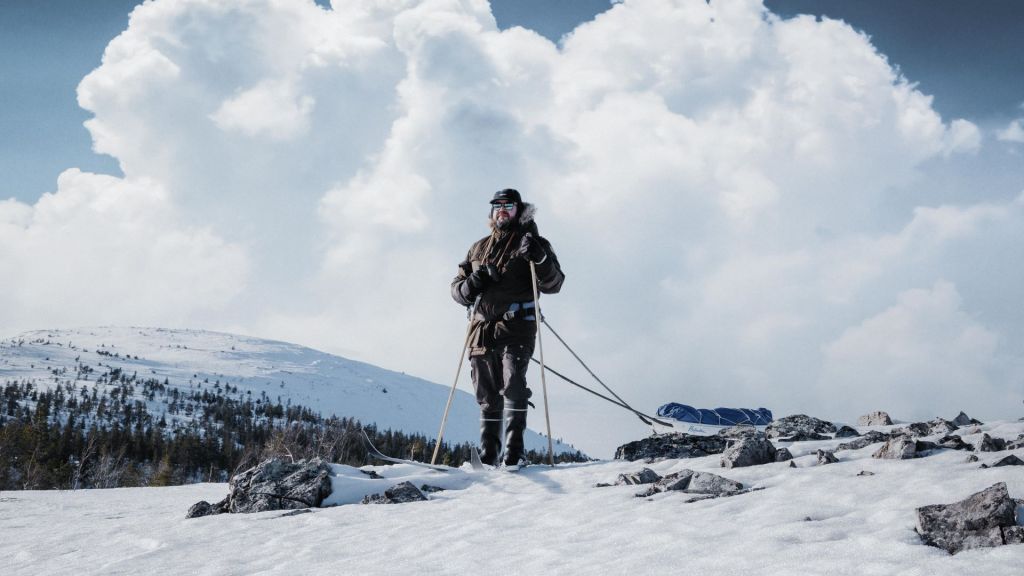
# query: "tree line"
110,435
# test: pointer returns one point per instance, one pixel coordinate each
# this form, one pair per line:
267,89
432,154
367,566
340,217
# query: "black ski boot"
515,426
490,437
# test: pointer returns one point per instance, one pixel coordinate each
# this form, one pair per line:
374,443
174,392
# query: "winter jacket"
500,317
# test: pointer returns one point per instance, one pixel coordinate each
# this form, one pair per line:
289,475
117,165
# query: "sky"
815,214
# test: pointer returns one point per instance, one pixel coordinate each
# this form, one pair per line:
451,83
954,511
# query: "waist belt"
516,311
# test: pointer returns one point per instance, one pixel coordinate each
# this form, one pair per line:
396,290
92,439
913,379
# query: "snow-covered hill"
193,359
813,519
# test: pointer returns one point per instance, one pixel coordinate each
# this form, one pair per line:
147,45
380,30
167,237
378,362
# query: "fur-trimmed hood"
524,221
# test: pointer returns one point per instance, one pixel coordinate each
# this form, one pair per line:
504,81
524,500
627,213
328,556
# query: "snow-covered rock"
800,426
978,521
878,418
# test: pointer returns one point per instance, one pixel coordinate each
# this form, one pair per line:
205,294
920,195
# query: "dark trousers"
499,379
499,375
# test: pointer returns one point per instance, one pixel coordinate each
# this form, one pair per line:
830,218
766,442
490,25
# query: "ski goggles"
503,205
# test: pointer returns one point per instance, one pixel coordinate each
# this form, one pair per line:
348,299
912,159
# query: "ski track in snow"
814,520
322,382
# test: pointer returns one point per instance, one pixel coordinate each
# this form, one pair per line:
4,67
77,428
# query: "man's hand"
531,248
482,277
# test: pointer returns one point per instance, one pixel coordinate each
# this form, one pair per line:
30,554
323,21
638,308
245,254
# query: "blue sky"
753,208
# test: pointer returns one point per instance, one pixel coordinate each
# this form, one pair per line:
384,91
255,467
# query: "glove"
482,277
531,249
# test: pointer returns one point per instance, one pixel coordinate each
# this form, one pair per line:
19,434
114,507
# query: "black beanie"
507,195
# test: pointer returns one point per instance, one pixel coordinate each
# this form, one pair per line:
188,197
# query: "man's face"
503,213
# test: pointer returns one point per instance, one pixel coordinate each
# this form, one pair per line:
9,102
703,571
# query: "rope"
644,417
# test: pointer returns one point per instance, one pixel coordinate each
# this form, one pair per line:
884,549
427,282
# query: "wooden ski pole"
540,347
451,395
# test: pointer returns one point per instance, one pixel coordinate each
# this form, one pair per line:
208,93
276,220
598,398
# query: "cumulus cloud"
727,190
1013,132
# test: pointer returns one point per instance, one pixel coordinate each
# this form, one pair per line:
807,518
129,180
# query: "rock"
276,485
737,432
954,442
645,476
1010,460
915,430
372,474
872,437
921,446
792,464
672,445
940,426
1013,534
965,420
397,494
847,432
804,437
826,457
990,444
799,423
783,455
878,418
974,522
204,508
428,489
692,482
865,473
1016,444
972,458
898,448
749,452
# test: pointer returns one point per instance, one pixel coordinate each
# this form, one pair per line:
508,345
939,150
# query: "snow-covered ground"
190,358
812,519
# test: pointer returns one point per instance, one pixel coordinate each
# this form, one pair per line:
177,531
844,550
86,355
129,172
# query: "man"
496,283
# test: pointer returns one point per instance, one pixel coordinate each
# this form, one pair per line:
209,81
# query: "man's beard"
502,223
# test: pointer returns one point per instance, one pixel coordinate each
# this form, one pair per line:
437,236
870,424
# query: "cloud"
919,358
728,191
101,250
1014,132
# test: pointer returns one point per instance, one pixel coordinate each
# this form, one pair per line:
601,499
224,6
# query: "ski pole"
540,346
451,395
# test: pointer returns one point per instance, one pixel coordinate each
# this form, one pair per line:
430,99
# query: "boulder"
826,457
204,508
954,442
804,437
865,473
867,439
692,482
915,430
1016,444
791,426
749,452
975,522
645,476
1013,534
878,418
671,445
965,420
846,432
940,426
274,484
783,455
898,448
397,494
990,444
1010,460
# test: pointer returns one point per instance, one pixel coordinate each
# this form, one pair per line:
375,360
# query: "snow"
323,382
809,520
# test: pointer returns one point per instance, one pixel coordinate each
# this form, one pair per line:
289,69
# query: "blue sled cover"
718,416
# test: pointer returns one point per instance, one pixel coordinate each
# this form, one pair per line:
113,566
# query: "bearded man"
496,283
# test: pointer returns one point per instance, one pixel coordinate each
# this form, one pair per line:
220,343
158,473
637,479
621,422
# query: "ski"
372,450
